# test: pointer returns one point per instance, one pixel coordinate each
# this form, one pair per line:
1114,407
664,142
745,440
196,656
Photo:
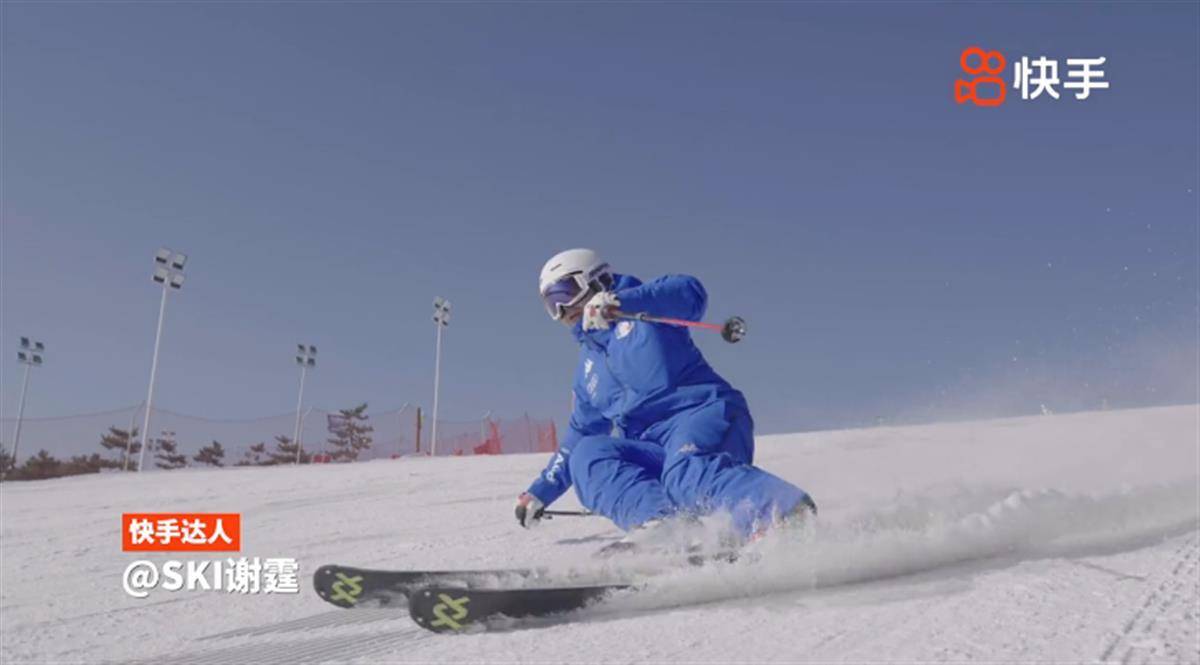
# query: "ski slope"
1066,538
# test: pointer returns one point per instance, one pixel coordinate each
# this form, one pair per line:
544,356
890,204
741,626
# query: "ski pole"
550,514
732,331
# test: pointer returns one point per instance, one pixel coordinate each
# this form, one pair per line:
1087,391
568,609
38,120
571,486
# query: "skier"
686,440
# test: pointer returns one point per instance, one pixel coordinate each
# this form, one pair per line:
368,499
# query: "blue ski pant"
694,471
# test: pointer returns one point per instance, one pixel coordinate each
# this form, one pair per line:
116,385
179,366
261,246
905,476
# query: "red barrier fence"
497,437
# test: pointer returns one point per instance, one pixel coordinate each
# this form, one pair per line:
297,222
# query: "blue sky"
330,168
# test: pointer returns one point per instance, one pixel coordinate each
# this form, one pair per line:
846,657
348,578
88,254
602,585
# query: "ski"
349,587
450,609
691,557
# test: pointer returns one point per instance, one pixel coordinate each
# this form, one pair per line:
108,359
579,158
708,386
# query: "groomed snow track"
1067,538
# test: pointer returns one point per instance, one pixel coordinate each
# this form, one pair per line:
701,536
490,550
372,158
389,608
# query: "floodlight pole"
303,419
299,405
295,436
400,436
20,416
30,353
437,379
441,319
306,357
162,307
129,439
168,271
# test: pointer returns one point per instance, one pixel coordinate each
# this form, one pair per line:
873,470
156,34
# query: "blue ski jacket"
647,379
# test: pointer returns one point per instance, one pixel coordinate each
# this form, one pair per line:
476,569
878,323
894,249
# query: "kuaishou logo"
1037,77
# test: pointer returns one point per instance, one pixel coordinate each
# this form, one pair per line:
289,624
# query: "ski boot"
802,514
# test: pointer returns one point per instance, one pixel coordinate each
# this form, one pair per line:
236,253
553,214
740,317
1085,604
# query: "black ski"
361,587
691,557
450,609
350,587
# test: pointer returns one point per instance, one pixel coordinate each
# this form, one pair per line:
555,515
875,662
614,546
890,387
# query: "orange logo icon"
985,62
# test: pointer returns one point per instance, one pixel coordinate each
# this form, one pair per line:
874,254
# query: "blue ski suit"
686,441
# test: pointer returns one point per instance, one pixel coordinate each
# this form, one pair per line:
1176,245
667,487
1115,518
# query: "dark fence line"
180,440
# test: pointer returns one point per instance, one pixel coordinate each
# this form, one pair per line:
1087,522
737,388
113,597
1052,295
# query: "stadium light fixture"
168,271
306,359
31,354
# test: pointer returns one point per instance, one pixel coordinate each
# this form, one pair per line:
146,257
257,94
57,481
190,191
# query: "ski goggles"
567,292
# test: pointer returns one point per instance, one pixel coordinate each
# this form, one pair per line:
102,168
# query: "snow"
1048,538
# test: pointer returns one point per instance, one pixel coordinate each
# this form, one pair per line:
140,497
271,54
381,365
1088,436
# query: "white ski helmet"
569,278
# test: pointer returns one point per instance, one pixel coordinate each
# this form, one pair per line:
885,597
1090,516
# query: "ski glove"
599,310
529,510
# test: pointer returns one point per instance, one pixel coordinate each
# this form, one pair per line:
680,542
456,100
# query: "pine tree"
6,463
211,454
166,451
87,464
117,439
285,452
256,455
42,465
350,433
